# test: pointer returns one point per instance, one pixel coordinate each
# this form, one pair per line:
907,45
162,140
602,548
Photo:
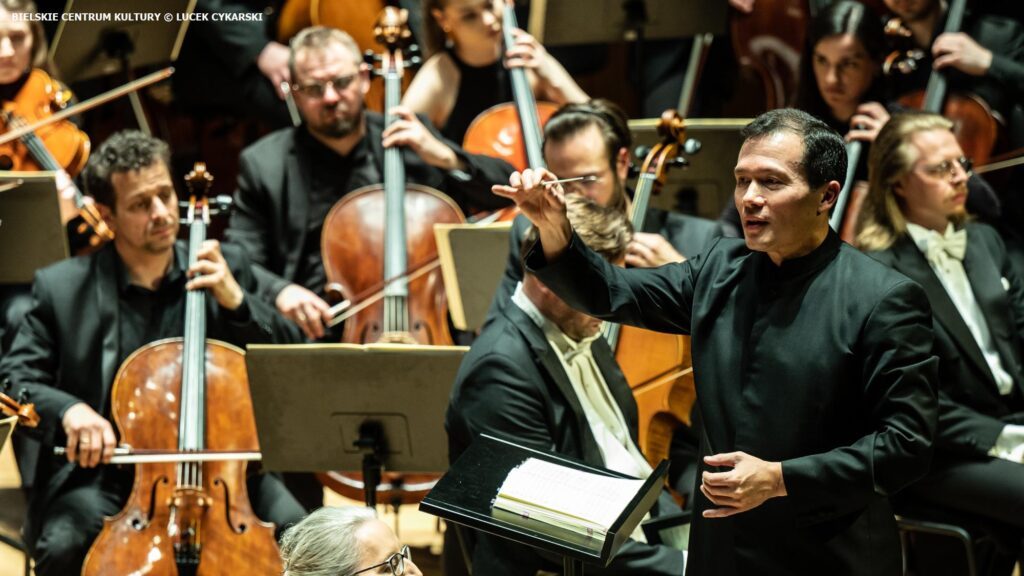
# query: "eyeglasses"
948,167
318,89
395,563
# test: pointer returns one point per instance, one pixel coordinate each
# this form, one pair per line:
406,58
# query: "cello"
657,366
512,130
374,236
181,397
975,126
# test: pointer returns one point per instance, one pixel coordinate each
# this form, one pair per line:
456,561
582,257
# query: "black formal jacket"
271,204
512,384
823,364
66,350
972,413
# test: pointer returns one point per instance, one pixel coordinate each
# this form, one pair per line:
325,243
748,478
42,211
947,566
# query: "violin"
380,253
59,147
511,131
657,366
976,128
186,401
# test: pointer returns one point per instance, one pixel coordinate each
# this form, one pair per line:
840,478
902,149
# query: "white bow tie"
953,244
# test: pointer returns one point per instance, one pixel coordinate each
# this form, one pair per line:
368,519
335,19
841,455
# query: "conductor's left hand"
749,484
211,271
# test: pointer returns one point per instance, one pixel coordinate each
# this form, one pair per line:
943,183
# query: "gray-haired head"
324,543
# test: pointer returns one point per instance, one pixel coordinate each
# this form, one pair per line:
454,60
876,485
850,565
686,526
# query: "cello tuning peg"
691,146
641,151
678,162
415,61
221,203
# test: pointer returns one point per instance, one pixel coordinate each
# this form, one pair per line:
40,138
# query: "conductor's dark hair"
824,157
125,151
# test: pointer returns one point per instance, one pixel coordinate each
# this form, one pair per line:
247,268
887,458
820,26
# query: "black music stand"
326,407
473,259
465,495
31,233
89,48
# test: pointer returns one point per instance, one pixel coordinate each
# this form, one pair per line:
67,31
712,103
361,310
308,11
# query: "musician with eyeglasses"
914,220
346,541
291,178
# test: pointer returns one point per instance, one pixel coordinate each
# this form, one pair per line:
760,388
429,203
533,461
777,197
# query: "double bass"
374,241
181,399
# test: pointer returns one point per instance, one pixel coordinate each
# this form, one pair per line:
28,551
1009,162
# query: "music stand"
473,258
557,22
465,495
100,46
31,233
710,172
325,407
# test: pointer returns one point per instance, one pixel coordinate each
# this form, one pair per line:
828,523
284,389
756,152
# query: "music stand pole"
371,441
572,566
117,44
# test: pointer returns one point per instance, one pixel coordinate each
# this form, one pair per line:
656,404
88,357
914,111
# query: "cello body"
353,255
145,406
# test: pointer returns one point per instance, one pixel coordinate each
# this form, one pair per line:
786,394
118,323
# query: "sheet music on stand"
473,258
466,495
6,428
31,232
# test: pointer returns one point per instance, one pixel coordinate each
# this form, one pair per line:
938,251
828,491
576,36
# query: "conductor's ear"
829,196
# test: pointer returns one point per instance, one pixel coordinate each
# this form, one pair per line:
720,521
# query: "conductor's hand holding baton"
541,198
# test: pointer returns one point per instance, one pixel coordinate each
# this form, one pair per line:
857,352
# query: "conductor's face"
781,215
145,213
329,88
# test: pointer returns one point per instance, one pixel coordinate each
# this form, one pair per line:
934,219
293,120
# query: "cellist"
92,312
466,74
986,58
291,178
